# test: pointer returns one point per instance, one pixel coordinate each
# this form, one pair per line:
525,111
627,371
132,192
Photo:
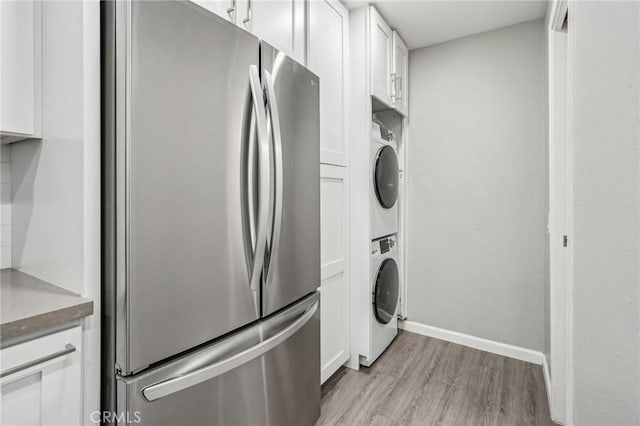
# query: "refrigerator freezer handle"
176,384
263,158
277,149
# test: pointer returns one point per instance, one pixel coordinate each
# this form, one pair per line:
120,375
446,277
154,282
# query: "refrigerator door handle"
236,359
263,166
278,166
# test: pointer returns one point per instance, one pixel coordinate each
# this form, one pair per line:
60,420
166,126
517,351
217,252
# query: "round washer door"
385,293
386,177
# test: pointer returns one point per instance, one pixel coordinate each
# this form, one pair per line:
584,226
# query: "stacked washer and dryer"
384,285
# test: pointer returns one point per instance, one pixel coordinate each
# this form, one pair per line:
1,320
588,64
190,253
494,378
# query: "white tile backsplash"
5,235
5,257
5,175
4,154
5,208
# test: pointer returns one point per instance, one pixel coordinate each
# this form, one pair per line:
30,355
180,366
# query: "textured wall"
477,185
605,59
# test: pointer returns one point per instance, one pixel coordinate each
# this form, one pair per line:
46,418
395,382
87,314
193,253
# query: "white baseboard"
511,351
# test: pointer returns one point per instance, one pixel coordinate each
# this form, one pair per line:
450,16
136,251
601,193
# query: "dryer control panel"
380,132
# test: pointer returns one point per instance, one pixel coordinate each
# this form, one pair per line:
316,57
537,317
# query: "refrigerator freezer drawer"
267,374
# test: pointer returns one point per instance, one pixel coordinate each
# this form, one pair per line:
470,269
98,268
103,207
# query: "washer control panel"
383,245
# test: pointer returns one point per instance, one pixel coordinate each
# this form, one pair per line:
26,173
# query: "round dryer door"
385,293
386,177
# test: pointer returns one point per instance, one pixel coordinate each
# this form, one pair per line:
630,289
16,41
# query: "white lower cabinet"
334,290
42,381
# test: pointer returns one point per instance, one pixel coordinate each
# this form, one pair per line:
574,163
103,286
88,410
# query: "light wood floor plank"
425,381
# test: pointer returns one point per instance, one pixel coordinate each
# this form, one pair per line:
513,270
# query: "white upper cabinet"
381,42
21,70
389,59
400,75
225,8
278,22
327,45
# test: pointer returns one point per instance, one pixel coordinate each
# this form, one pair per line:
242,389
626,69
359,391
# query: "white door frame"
560,213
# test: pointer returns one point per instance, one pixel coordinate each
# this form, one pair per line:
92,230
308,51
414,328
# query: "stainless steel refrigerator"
211,229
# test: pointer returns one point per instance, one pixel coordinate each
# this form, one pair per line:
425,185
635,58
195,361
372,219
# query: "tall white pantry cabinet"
327,56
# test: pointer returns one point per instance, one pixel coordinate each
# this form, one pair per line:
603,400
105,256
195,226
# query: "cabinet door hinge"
565,241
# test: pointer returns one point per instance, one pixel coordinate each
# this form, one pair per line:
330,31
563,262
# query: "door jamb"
561,308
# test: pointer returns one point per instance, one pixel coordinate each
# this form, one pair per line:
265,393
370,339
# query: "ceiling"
422,23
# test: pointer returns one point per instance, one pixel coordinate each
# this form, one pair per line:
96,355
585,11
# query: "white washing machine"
386,180
383,306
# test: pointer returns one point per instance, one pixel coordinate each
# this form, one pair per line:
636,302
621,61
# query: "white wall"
604,44
476,253
56,180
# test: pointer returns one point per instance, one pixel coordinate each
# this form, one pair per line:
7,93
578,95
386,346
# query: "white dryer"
386,178
385,289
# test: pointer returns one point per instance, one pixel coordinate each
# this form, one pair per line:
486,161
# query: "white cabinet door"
278,22
381,58
226,8
400,75
45,387
21,76
334,290
327,44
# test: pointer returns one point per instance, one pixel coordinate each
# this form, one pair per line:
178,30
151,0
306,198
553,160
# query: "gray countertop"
30,305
